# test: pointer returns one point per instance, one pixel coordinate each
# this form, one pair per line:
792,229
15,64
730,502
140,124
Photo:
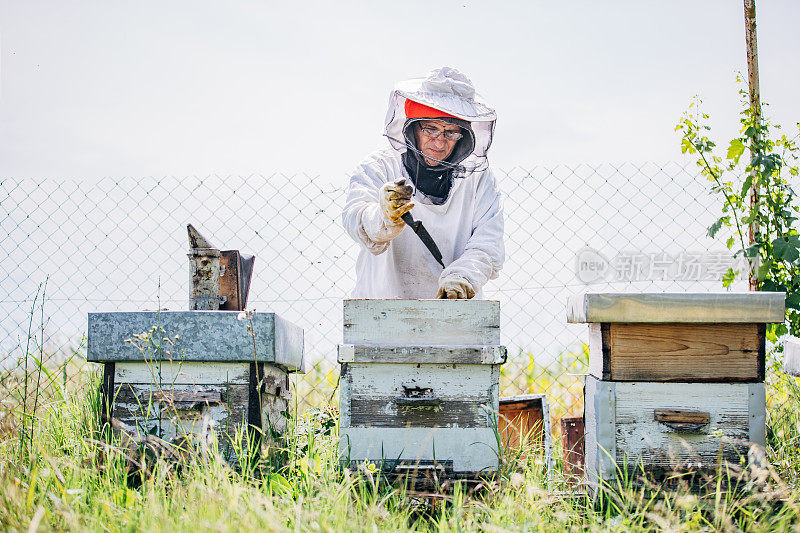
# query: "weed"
74,479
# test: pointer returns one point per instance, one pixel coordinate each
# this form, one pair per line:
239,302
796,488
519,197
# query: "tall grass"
71,478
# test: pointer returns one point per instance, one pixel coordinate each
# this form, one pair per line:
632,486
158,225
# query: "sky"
102,93
92,89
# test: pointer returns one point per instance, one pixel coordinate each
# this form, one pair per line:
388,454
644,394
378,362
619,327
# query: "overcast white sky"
106,88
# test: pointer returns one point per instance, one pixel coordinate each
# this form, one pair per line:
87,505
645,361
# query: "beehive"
524,423
676,380
180,373
419,385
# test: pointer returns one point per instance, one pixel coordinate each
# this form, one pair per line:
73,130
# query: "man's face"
439,148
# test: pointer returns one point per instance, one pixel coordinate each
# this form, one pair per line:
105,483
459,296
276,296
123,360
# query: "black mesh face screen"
462,150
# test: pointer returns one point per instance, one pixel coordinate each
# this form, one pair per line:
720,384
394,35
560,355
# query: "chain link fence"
71,247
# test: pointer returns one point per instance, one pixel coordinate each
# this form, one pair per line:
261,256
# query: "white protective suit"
467,227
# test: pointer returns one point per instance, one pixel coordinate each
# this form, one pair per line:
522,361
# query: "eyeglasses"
433,133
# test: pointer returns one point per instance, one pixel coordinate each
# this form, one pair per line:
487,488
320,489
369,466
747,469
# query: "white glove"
395,200
455,288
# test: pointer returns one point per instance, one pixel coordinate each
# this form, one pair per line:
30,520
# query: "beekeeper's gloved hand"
395,199
455,288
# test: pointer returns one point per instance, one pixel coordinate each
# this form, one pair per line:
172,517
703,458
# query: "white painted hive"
420,385
670,426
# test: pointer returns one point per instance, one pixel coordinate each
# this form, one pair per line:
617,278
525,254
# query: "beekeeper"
439,130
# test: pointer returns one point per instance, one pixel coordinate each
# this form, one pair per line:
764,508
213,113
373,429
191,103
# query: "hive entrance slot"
685,420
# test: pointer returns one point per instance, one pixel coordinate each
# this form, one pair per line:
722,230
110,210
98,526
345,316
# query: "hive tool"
424,236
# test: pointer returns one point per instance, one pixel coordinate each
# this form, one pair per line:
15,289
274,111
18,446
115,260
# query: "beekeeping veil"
451,92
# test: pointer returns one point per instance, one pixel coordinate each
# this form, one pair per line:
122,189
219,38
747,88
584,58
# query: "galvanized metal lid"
748,307
204,336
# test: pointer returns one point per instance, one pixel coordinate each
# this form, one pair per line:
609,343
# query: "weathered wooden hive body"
524,423
674,379
181,373
420,386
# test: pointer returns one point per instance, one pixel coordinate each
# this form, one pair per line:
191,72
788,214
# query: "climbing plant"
757,159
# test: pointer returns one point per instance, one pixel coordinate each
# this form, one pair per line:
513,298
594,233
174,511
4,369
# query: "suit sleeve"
484,253
362,217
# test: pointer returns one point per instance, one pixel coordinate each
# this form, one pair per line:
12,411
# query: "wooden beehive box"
677,337
201,373
670,427
419,385
524,423
676,380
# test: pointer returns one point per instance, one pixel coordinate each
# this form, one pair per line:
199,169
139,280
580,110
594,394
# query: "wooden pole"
755,105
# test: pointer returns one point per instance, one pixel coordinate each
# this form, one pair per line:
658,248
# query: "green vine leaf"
748,183
786,248
735,150
776,331
771,286
728,278
793,301
714,228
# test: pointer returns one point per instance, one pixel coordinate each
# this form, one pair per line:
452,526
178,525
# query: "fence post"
755,105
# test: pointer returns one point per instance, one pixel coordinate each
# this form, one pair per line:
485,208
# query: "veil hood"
450,91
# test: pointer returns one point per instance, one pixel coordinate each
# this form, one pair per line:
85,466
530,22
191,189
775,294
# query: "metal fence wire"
69,247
